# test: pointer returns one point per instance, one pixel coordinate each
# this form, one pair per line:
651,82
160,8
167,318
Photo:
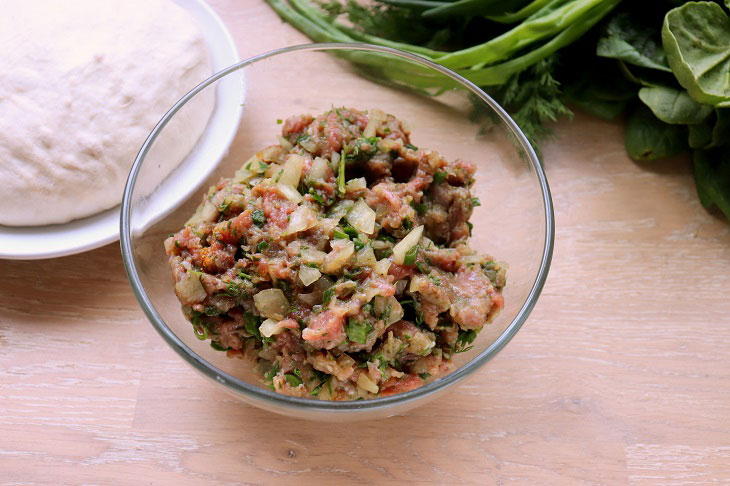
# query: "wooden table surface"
620,376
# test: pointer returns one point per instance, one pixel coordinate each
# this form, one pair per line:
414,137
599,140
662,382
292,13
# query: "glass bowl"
446,113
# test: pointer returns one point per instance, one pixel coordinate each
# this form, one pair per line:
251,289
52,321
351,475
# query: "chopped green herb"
384,237
211,311
293,380
471,227
269,376
341,176
319,199
463,341
251,323
439,177
217,346
351,232
199,327
235,289
327,295
259,218
279,121
424,376
224,206
411,146
316,390
359,245
263,166
312,265
422,267
340,235
363,149
411,255
407,223
420,208
358,331
302,138
262,246
244,275
475,202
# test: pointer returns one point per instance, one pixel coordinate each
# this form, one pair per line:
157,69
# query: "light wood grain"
620,376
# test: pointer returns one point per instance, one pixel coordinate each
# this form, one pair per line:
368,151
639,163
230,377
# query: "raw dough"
82,84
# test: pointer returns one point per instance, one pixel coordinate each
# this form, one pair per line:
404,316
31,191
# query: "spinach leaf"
712,177
673,106
696,38
722,127
700,134
712,132
630,42
648,138
600,89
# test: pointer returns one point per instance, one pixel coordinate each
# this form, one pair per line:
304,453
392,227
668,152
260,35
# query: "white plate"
35,242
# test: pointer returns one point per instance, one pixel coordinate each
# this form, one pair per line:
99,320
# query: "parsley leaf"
327,295
411,255
259,218
358,331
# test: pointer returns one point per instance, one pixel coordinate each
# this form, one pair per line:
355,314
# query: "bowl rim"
285,401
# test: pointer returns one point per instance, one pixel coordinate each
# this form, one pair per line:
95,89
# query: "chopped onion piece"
311,298
308,275
255,165
242,175
357,184
382,267
388,309
334,161
272,303
292,170
342,250
389,145
408,242
340,210
310,255
270,327
207,213
366,383
191,289
318,171
301,219
273,170
272,153
308,144
285,144
365,257
469,259
290,193
376,118
362,218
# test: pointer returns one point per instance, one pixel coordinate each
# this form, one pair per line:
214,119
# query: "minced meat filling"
338,260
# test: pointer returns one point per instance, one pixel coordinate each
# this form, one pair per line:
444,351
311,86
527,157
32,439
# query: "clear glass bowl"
514,222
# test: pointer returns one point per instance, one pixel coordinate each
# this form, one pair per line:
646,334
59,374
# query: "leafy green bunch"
670,69
504,46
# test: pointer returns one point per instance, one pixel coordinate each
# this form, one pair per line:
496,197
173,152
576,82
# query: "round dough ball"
83,83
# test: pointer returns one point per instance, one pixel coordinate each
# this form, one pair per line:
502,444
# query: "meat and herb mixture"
338,260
